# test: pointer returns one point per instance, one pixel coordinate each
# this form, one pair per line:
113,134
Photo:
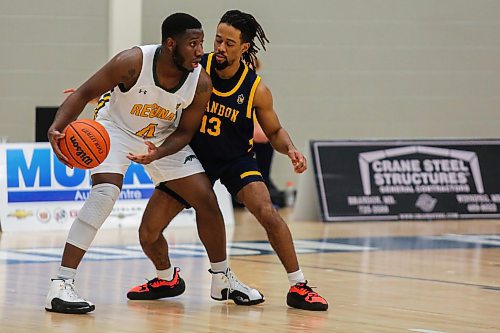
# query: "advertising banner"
37,192
407,180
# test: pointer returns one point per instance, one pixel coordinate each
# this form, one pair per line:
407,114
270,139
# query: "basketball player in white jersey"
144,91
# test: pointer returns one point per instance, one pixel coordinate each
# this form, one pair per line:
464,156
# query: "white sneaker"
63,298
225,285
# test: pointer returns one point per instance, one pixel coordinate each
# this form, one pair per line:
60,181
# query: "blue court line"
252,248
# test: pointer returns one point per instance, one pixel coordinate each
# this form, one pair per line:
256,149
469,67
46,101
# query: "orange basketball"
86,143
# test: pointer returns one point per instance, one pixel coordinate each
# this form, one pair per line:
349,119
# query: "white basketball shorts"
179,165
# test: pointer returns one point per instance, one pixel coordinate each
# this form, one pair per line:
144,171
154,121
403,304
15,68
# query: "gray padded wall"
340,69
46,47
348,69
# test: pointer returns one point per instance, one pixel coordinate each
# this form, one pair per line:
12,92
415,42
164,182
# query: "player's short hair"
177,24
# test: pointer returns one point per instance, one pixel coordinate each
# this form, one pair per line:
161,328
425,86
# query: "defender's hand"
298,160
93,101
151,156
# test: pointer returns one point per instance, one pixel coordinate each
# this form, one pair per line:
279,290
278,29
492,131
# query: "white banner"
37,192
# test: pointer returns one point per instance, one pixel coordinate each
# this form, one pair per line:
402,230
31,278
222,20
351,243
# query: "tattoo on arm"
127,78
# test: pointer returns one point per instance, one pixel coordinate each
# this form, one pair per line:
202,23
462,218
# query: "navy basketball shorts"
235,174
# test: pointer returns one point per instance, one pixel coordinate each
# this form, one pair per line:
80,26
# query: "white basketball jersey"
147,110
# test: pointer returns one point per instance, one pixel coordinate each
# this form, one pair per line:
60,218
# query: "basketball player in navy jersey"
144,91
223,145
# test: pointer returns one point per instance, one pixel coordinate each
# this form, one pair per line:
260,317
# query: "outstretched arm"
124,69
277,135
188,125
93,101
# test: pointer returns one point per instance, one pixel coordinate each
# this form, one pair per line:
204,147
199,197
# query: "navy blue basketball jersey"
226,131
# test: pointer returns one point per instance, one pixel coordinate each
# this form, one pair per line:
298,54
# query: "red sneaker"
301,296
158,288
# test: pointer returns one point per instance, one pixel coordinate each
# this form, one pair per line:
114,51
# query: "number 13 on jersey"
213,126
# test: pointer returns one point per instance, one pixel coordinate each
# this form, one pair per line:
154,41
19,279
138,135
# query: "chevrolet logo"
20,214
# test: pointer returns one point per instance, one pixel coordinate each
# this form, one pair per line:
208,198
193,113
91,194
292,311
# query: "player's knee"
266,214
94,212
207,203
99,204
147,235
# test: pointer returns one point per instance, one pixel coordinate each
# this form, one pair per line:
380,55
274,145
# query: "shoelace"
310,291
148,283
154,282
230,289
232,278
70,289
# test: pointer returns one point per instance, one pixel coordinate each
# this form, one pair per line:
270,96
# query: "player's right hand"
145,159
54,138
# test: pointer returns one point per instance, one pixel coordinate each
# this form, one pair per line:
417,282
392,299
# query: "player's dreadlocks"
250,29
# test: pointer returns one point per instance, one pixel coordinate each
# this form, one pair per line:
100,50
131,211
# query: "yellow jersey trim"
252,94
236,87
209,63
101,104
250,173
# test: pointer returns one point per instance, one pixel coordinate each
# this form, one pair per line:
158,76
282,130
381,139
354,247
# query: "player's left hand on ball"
298,160
147,158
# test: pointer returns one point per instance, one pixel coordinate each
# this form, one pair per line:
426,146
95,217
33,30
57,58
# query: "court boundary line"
482,286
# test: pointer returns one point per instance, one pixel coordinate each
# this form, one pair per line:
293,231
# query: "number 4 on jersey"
147,132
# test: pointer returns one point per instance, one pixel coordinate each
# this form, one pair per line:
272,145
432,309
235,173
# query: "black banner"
407,180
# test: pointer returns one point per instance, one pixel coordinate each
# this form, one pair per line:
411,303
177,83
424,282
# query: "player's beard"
221,65
179,60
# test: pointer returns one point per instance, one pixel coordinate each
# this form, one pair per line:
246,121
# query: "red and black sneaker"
158,288
301,296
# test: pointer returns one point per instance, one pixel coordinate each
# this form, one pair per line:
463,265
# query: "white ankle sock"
166,274
219,266
296,277
66,273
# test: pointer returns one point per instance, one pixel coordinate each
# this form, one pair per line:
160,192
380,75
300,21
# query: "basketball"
86,143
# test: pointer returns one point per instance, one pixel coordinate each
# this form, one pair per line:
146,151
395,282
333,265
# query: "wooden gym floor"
441,276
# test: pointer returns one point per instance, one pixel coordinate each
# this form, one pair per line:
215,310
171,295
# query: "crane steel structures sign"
407,180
